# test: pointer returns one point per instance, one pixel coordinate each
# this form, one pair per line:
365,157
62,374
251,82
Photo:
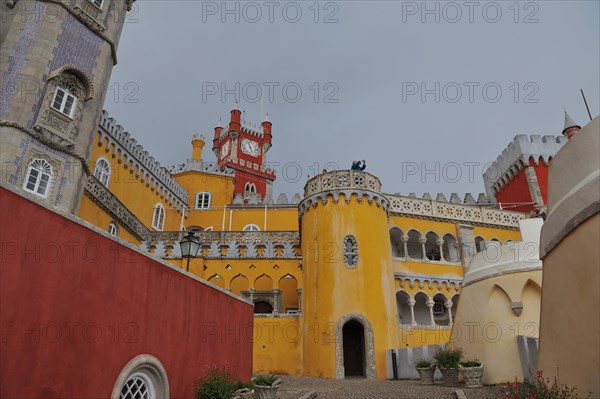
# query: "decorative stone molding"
370,371
444,211
350,247
126,149
342,179
257,244
98,193
516,156
89,14
430,280
151,367
200,166
379,199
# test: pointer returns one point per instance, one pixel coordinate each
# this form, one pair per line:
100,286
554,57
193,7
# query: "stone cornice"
148,168
427,279
342,179
323,197
98,193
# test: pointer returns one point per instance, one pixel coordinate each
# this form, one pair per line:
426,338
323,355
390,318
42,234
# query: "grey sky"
370,61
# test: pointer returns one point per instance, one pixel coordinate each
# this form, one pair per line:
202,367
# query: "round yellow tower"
348,306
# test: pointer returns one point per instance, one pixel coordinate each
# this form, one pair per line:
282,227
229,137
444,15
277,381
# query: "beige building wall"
500,300
570,320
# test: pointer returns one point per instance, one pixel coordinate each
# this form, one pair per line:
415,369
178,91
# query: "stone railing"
342,180
111,204
201,166
229,244
471,214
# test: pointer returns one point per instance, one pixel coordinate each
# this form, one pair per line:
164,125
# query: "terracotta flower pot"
426,374
472,375
450,376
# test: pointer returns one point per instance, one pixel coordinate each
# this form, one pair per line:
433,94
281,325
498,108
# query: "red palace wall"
76,307
517,190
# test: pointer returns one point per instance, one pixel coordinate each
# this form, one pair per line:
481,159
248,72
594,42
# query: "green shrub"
423,363
217,383
471,363
538,389
448,358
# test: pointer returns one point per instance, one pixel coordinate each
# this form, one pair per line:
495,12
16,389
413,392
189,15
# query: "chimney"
197,146
236,119
266,126
216,137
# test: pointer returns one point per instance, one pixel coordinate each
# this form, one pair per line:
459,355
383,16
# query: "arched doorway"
354,349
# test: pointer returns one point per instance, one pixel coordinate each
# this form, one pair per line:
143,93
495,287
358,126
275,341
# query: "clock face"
250,147
225,149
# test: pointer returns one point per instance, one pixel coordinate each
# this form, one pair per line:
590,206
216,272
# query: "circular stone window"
144,377
138,386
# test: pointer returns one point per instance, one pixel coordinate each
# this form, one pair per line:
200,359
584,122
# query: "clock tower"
242,147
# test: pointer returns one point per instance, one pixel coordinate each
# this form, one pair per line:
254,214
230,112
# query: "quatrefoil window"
350,248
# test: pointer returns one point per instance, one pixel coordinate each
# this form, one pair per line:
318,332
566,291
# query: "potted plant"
472,372
266,386
448,361
426,370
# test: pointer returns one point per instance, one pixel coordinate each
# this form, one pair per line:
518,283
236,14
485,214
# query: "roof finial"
570,123
266,118
220,123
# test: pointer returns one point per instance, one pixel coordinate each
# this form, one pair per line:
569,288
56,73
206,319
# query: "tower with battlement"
55,63
519,176
243,147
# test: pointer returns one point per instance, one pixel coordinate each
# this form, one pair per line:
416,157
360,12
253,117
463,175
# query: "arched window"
450,248
414,246
102,171
432,247
251,227
350,248
479,244
138,386
113,230
203,200
97,3
158,218
65,98
249,188
396,241
38,178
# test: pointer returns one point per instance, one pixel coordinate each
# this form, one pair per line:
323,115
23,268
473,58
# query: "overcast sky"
427,93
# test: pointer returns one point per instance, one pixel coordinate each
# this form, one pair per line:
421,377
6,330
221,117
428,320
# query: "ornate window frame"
113,229
350,252
203,200
158,217
102,173
251,227
148,368
54,126
43,168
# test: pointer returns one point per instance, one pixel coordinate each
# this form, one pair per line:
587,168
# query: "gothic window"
203,200
113,229
65,98
38,178
97,3
158,218
102,171
138,386
251,227
439,306
249,188
350,248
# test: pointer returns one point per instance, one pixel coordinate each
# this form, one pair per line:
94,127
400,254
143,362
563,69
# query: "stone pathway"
297,387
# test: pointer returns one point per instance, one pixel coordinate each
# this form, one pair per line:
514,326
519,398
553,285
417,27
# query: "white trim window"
139,385
113,230
158,217
102,171
251,227
38,179
65,99
97,3
249,188
203,200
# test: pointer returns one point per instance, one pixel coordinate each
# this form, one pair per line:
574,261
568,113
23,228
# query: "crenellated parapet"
516,156
447,211
200,166
344,183
230,244
252,129
121,145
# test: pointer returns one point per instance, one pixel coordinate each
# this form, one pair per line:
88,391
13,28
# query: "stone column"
276,301
430,306
449,307
411,304
466,240
299,291
405,246
423,240
440,244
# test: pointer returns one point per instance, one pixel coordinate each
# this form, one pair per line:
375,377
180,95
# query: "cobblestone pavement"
295,387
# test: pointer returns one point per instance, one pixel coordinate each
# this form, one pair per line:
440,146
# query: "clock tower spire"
242,146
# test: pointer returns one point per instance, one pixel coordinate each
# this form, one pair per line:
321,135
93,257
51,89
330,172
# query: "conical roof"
569,123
